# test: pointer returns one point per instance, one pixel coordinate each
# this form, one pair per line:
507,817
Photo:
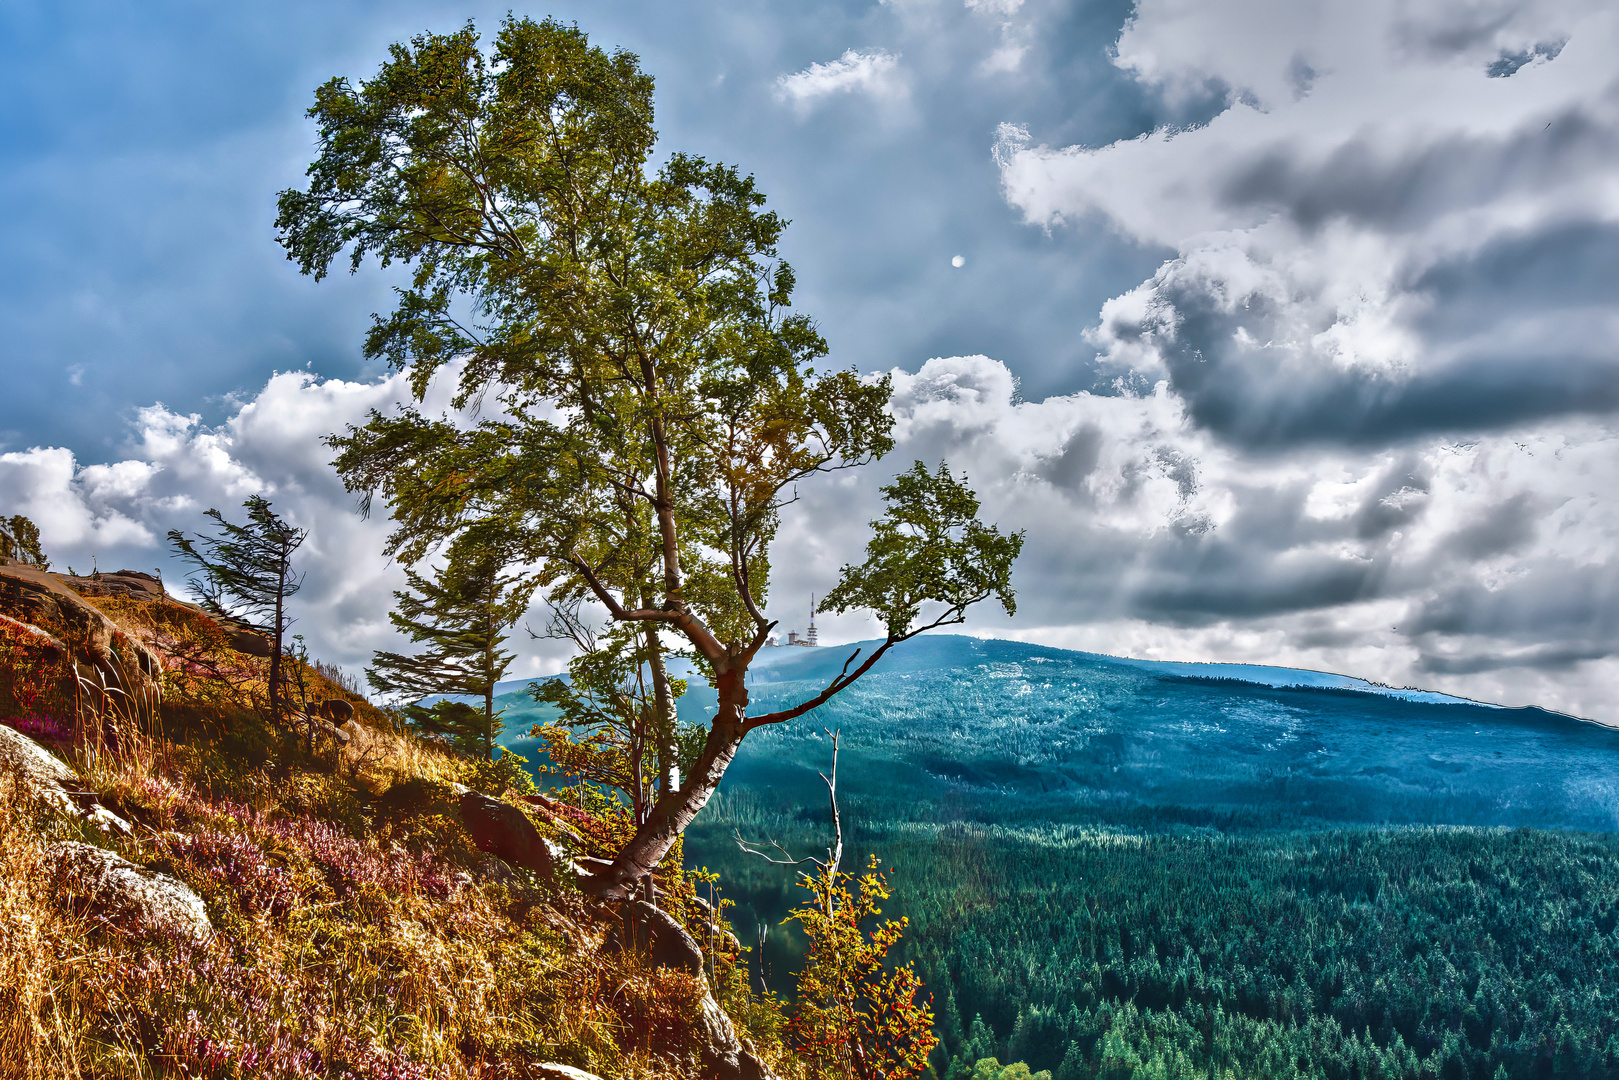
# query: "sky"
1285,329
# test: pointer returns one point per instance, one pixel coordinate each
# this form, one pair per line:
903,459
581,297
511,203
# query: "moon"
959,261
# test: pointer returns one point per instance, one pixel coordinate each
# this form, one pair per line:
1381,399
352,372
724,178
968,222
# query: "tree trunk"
663,713
275,653
675,810
489,720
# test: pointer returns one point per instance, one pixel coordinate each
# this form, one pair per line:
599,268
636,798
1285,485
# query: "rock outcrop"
44,778
105,663
504,831
721,1053
128,897
336,710
666,942
550,1070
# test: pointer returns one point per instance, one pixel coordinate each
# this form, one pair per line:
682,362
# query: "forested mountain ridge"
1116,870
955,728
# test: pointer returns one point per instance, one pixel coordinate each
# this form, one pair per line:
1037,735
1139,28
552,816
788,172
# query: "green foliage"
855,1015
508,772
607,302
246,572
929,546
26,533
1106,952
607,731
456,722
990,1068
657,397
461,615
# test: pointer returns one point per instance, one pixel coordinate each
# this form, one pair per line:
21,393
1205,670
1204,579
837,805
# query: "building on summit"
809,638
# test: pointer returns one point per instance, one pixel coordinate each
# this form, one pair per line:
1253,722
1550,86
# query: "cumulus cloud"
1481,568
117,515
1382,354
874,73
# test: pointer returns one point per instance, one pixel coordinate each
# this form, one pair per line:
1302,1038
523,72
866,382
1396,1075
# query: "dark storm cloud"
1263,399
1392,188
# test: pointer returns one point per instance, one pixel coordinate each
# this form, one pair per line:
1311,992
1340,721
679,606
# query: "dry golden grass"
358,935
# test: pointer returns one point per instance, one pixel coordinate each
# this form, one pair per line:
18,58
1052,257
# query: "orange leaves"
855,1016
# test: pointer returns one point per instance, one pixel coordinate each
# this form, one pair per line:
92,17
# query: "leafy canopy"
631,325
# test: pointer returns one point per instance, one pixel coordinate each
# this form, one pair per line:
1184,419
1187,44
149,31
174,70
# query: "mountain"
956,728
1119,868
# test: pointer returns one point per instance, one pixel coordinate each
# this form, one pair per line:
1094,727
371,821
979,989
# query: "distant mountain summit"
960,728
950,728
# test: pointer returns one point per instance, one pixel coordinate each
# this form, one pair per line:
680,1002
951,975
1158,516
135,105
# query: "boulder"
128,897
247,641
46,779
106,656
721,1055
336,710
130,584
42,776
666,942
550,1070
503,830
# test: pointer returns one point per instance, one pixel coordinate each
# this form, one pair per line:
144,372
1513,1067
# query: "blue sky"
1286,328
145,144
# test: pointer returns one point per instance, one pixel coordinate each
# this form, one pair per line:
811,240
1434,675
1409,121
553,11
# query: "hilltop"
191,888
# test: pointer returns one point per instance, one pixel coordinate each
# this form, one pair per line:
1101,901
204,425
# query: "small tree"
246,573
26,535
854,1016
608,733
461,615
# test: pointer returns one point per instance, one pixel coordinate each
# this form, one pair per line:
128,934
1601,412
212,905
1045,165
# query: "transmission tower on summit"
808,640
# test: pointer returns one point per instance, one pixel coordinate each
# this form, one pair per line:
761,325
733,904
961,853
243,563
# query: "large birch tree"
646,399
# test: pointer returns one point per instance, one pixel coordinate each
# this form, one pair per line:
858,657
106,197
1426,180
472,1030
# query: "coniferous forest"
1376,914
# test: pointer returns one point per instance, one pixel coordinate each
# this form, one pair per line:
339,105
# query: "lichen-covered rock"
720,1054
132,898
503,830
46,779
43,776
666,942
550,1070
107,661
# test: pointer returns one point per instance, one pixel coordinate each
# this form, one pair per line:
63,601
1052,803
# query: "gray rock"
44,777
47,779
721,1055
667,943
550,1070
502,830
132,898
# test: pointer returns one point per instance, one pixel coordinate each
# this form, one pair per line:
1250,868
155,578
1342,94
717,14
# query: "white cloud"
874,73
118,514
1386,333
1483,569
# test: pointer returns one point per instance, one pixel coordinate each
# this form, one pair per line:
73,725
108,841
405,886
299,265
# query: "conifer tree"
461,615
26,534
246,572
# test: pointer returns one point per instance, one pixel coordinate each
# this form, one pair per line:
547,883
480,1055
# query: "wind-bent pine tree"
656,396
461,615
246,572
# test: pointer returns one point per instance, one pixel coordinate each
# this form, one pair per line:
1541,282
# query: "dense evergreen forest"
1116,873
1347,954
